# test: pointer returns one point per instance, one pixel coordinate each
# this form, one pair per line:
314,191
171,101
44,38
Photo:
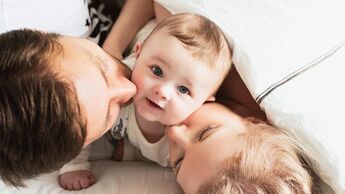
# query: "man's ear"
211,99
137,49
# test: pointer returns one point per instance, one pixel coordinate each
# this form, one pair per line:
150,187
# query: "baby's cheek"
140,82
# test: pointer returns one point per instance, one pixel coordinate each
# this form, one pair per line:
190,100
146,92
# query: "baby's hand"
77,180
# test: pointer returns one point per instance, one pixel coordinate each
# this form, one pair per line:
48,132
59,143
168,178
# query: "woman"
217,151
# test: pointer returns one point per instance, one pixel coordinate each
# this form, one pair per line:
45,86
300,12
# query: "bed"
290,54
130,177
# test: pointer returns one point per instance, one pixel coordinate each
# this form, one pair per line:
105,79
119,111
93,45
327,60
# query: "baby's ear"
137,49
211,99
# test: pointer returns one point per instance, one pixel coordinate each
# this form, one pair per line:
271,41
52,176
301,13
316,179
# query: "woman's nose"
177,143
123,90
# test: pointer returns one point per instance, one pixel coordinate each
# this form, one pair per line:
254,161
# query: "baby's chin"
162,120
164,117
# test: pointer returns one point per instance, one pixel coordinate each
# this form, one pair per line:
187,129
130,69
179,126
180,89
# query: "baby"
178,67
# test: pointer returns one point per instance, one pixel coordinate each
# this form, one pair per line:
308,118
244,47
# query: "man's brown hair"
268,162
41,127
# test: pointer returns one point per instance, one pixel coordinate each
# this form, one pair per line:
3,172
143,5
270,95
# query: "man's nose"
123,90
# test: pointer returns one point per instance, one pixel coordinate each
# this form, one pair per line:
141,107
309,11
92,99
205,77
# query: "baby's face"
199,146
171,83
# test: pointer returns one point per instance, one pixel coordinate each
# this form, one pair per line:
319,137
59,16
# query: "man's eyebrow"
118,61
99,64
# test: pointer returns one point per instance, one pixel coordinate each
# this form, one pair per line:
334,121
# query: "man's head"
39,114
216,151
50,85
179,66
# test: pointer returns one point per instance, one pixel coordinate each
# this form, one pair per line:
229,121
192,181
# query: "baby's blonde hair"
268,162
202,37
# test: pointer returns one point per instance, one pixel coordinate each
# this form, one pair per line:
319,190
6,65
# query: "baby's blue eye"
157,71
183,90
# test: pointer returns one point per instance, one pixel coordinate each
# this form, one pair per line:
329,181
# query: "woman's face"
101,83
200,145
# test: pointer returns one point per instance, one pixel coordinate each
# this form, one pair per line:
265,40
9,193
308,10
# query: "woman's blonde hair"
269,162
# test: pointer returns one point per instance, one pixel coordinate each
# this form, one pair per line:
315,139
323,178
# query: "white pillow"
62,16
276,40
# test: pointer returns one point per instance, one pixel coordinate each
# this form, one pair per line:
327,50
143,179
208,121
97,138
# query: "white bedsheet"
113,178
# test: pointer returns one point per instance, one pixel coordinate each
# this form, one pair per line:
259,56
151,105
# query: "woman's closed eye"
205,132
157,71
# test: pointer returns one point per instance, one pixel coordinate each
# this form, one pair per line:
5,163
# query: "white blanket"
112,177
290,54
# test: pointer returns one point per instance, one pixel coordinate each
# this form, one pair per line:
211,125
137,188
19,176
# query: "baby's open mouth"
153,104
